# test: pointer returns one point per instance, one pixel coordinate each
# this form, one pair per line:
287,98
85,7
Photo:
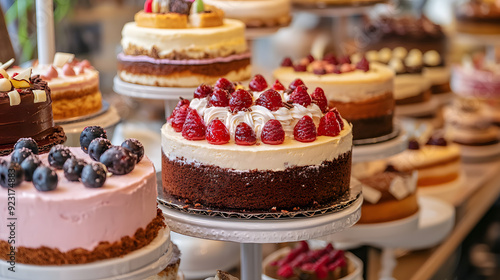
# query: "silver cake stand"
251,233
372,149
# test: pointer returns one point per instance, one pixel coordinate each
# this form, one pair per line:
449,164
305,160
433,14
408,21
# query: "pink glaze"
68,70
85,64
50,74
73,216
475,82
148,59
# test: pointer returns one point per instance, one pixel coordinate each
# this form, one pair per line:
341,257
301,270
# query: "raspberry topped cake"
179,43
361,91
26,111
257,149
78,212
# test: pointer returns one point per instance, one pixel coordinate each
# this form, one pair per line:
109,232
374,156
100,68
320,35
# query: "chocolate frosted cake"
26,111
264,149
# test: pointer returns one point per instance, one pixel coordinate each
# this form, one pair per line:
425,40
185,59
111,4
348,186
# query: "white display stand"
376,151
140,264
480,153
447,192
251,233
418,109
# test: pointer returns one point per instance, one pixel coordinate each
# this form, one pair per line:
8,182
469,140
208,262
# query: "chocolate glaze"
302,187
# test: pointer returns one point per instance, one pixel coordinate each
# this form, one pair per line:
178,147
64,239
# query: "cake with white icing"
260,149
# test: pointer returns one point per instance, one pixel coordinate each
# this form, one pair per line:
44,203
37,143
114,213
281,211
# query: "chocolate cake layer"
422,97
372,127
304,187
105,250
216,69
439,89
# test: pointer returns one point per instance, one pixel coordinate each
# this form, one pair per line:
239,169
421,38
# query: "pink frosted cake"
476,78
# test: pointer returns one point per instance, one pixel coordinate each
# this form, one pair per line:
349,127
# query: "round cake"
26,111
180,46
476,77
256,13
74,85
362,92
272,158
478,17
77,220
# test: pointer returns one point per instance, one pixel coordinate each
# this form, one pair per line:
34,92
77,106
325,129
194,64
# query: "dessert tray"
418,109
139,264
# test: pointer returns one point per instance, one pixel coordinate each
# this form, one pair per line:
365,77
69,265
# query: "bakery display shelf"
140,264
336,10
380,150
422,109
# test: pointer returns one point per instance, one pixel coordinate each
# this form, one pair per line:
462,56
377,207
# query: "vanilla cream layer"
437,75
249,9
409,85
257,157
87,79
353,86
427,155
73,216
195,43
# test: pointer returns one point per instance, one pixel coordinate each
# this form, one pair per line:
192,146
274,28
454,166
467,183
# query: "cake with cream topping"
26,111
260,149
361,91
478,17
476,77
180,44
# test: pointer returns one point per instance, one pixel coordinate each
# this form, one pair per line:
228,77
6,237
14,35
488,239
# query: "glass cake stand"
252,232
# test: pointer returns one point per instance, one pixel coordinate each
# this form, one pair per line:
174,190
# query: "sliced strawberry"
219,98
308,267
194,127
295,84
300,96
329,125
305,130
363,64
339,117
217,133
273,133
270,99
299,260
202,91
321,272
148,6
223,83
258,83
240,100
278,85
285,271
304,246
318,97
179,117
338,263
287,62
244,135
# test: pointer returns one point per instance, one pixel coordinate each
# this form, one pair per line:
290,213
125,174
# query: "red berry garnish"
345,59
1,76
319,71
181,103
413,145
338,116
244,135
329,125
270,99
321,271
310,58
258,83
300,68
300,96
15,74
278,86
202,91
295,84
305,130
240,100
179,117
363,64
272,133
219,98
148,6
287,62
330,58
217,133
194,127
318,97
223,83
285,271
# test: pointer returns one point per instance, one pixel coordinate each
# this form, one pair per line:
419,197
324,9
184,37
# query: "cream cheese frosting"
85,77
73,216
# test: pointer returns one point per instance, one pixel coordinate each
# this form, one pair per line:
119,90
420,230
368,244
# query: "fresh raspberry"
278,86
193,128
307,267
329,125
345,59
338,116
223,83
413,145
310,58
363,64
219,98
240,101
287,62
272,133
437,141
304,246
179,117
244,135
296,83
181,103
330,58
1,76
270,99
217,133
329,248
285,271
319,71
300,96
321,271
15,74
300,68
305,130
148,6
258,83
202,91
318,97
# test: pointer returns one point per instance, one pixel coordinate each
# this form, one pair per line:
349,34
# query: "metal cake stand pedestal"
251,233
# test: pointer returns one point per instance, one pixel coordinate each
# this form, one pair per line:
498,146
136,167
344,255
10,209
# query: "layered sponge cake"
260,149
177,44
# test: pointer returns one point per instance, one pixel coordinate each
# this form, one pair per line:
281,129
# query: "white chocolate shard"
398,188
62,58
14,98
7,64
39,96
